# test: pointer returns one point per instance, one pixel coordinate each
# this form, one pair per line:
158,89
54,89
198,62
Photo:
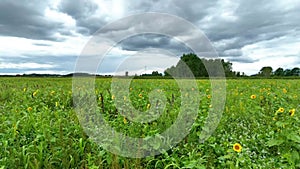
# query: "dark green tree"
287,72
266,71
191,63
295,71
279,72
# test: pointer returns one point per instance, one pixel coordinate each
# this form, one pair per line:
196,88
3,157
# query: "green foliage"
266,71
279,72
199,67
40,129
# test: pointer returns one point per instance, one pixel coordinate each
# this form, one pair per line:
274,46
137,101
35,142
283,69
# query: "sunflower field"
40,128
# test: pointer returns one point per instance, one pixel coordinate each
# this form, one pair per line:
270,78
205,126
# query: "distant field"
260,126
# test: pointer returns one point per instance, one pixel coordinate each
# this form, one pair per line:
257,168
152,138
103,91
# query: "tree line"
267,71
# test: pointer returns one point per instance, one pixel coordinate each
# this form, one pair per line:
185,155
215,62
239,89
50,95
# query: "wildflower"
253,96
208,96
34,93
124,120
113,97
292,112
210,106
140,95
237,147
29,108
284,90
281,110
24,90
148,106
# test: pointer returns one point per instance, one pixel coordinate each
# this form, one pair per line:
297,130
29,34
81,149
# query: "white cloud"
25,66
46,72
63,18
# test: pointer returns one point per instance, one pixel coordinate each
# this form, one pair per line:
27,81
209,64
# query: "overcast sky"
48,36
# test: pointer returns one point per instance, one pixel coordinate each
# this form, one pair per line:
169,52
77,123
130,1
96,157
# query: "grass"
39,127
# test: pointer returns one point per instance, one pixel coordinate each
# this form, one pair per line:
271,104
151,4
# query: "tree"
154,73
266,71
287,72
199,67
187,63
279,72
295,71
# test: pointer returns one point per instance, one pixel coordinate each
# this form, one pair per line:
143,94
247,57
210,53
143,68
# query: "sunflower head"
237,147
292,112
253,96
281,110
140,95
34,93
284,90
124,120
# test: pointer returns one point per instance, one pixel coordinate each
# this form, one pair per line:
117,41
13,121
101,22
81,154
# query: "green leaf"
228,156
294,137
295,156
274,142
190,164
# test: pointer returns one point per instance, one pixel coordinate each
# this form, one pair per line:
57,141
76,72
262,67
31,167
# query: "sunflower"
281,110
124,120
29,108
140,95
34,93
284,90
292,112
237,147
208,96
253,96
